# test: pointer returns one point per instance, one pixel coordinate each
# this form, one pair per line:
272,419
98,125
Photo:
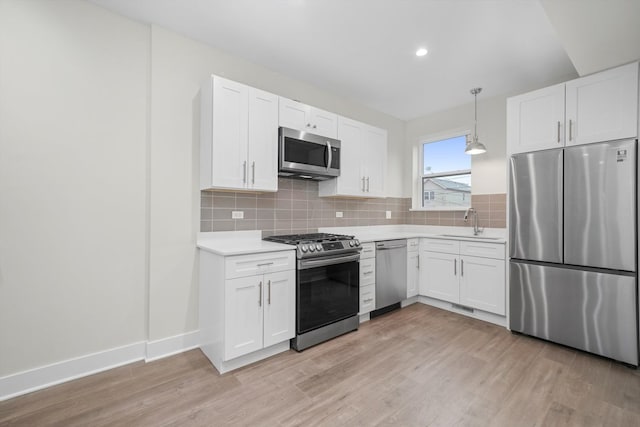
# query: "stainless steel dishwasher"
391,275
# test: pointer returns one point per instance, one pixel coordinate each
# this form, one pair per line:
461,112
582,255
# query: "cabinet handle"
418,259
368,272
455,267
269,292
265,263
253,172
368,184
368,300
314,126
558,132
244,172
308,125
570,130
461,267
363,184
260,295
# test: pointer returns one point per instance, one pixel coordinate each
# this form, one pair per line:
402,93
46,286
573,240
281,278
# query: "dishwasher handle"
384,248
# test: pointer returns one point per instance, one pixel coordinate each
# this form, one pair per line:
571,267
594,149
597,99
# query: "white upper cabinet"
263,140
238,137
603,106
595,108
363,155
299,116
374,164
536,120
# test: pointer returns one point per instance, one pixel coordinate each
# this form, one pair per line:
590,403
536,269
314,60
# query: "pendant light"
473,146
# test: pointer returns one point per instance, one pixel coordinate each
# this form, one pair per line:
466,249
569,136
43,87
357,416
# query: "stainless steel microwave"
306,155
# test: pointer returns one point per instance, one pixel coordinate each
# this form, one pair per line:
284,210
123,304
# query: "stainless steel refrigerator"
573,247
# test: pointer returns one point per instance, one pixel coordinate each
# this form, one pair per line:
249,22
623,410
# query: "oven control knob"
304,248
352,243
318,247
312,248
357,242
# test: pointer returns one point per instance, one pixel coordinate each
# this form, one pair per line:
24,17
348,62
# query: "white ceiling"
363,50
597,34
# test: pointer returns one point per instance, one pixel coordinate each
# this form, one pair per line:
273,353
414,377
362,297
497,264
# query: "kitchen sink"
466,236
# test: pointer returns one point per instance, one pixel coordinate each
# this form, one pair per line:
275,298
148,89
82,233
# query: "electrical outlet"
338,214
388,214
237,214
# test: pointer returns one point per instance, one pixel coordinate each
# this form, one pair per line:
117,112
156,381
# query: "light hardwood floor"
418,366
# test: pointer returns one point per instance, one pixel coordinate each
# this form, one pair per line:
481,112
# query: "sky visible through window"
447,155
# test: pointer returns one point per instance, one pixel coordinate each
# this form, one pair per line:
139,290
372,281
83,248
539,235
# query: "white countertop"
229,243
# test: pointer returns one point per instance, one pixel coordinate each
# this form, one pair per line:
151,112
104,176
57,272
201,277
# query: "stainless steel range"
327,286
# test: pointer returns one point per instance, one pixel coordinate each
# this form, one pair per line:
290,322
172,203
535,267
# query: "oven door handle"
311,263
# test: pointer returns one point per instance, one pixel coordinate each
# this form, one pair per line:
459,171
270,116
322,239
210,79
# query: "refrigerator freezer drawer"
588,310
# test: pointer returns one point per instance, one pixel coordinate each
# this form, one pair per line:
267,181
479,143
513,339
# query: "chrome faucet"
474,212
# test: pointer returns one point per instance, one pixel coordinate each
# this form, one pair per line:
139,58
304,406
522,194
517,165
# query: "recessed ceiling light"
421,52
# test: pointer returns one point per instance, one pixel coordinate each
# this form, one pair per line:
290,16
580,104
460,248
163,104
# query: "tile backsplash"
296,208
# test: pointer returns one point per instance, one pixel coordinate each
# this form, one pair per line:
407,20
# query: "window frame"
419,175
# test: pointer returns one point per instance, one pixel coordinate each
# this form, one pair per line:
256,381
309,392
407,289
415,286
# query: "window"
446,174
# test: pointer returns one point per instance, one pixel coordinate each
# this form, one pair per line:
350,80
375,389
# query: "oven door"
303,152
328,290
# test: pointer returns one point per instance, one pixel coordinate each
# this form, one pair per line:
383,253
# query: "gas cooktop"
318,244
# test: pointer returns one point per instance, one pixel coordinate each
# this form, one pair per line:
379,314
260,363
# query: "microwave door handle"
330,155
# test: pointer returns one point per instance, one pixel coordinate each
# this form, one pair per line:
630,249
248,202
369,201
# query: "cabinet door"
243,316
439,276
279,307
603,106
374,153
535,120
323,123
230,134
482,284
263,141
413,260
293,114
350,134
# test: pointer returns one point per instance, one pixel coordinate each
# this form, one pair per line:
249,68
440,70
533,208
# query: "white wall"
489,173
73,135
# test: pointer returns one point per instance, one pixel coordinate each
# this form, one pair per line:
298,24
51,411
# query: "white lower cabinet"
413,267
482,284
440,276
260,312
367,278
247,318
475,281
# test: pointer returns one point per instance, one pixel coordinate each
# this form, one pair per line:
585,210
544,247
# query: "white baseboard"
46,376
172,345
496,319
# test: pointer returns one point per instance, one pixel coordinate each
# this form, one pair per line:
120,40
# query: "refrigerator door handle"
558,131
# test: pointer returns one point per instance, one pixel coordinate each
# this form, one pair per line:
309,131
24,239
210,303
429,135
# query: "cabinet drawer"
367,271
482,249
249,265
368,250
441,245
367,298
413,245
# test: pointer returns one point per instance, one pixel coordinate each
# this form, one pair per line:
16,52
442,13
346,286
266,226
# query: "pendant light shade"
473,145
